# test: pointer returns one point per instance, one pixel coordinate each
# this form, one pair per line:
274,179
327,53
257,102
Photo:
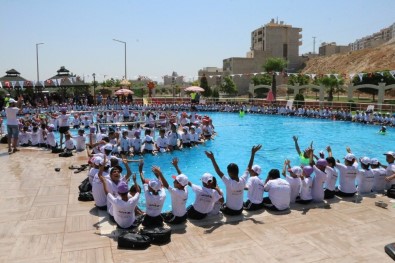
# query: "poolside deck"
41,220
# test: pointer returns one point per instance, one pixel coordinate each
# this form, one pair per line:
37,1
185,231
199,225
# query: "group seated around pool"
311,181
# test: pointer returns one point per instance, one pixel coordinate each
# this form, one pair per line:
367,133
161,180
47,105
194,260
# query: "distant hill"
366,60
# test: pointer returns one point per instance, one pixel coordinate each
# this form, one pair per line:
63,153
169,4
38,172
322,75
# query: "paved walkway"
41,220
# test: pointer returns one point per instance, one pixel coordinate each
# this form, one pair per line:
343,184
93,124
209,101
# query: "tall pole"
314,45
123,42
94,88
38,74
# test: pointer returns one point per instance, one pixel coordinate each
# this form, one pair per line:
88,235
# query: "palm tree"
275,65
331,82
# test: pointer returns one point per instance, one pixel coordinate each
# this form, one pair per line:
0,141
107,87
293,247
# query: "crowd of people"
312,180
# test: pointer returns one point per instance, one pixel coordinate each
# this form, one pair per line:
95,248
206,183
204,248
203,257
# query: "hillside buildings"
374,40
327,49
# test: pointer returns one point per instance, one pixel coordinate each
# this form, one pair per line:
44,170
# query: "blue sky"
165,36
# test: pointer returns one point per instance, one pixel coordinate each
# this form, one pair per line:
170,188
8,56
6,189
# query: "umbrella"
194,89
123,92
270,96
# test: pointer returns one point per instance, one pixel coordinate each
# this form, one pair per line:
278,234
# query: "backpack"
391,193
65,154
85,197
158,235
85,186
390,250
133,241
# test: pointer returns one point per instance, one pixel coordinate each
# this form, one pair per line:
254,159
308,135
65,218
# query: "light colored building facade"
374,40
173,79
213,75
327,49
275,39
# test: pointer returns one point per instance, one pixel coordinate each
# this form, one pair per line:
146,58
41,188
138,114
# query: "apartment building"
327,49
374,40
213,75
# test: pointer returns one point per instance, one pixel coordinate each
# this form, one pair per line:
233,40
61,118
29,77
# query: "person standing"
13,124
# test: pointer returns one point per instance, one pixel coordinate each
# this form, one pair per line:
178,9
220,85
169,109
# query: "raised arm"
287,164
141,165
328,148
128,171
158,173
296,144
254,149
138,188
210,155
101,177
174,162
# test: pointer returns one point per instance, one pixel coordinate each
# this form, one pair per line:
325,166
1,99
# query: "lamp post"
38,74
125,54
94,88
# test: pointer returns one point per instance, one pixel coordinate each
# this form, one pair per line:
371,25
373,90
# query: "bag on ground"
85,186
133,241
158,235
85,197
391,193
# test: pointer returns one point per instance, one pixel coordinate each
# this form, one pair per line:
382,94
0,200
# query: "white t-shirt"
34,137
162,142
125,144
318,185
279,193
390,171
172,137
23,138
123,211
255,189
69,144
185,138
63,120
205,198
379,182
234,191
80,142
178,201
11,113
91,174
98,192
295,184
306,189
148,143
365,180
136,144
331,178
154,203
347,177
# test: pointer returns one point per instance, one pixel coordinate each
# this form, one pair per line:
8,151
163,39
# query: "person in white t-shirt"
80,141
205,198
390,169
319,180
365,177
178,193
98,193
154,199
162,143
307,184
279,192
331,178
148,142
123,207
13,124
234,186
379,184
64,125
347,174
293,179
255,185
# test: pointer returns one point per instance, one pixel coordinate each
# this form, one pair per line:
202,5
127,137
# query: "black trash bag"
390,250
129,240
85,197
158,235
85,186
391,193
65,154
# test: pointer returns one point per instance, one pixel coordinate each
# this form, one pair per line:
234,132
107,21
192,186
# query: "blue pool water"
236,136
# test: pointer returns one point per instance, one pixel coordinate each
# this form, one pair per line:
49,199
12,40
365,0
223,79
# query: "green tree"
204,85
331,83
215,94
300,79
374,79
274,65
264,79
228,86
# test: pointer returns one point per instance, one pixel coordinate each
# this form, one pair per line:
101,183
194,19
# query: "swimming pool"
236,136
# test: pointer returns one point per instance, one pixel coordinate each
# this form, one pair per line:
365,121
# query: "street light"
38,75
125,54
94,88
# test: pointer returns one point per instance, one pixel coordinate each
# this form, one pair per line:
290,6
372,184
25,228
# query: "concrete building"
275,39
374,40
173,79
213,75
327,49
